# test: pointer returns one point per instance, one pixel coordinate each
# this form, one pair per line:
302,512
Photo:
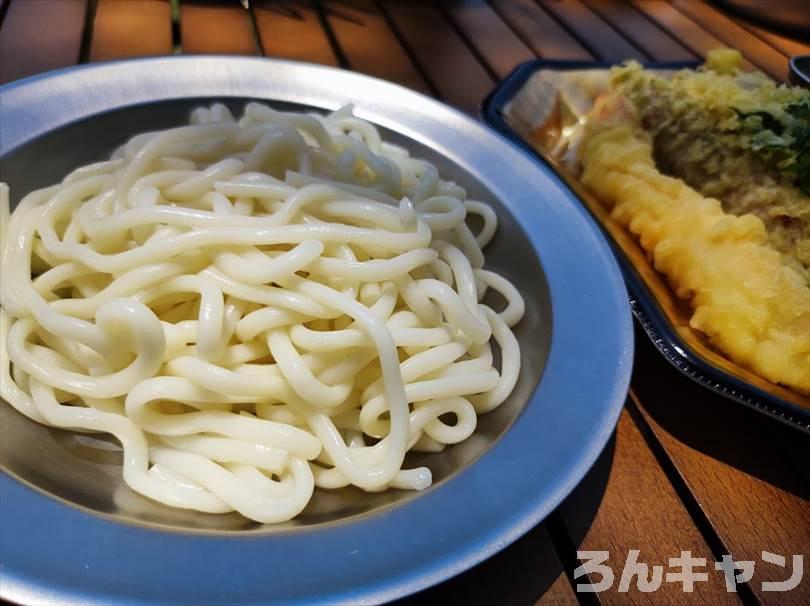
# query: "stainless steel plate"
72,532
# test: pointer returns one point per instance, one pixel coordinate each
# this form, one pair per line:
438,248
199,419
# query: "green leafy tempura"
733,135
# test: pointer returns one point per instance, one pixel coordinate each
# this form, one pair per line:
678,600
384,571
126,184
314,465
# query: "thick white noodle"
247,305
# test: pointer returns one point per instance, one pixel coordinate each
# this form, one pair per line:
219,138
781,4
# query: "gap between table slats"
787,46
539,31
639,509
292,31
643,32
758,52
496,45
681,27
446,60
736,469
369,45
593,32
3,8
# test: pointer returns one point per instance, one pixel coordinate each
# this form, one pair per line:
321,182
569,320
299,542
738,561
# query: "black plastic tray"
644,304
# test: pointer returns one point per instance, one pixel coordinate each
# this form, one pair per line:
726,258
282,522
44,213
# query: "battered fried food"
732,135
752,304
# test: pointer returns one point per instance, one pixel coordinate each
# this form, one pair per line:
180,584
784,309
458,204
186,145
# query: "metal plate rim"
591,318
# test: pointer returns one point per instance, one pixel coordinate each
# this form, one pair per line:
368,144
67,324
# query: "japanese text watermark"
686,570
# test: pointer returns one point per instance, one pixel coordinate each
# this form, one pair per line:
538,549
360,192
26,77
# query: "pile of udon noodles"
254,308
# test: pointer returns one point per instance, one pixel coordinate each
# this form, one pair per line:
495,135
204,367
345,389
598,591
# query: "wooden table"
686,470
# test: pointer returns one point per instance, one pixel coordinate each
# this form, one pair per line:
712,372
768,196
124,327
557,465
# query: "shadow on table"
720,428
523,572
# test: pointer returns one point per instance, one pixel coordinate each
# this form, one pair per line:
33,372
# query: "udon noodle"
254,308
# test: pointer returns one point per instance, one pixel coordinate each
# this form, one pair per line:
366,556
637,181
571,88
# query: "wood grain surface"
370,45
743,473
659,529
131,28
681,27
641,31
498,47
539,30
57,26
787,46
442,53
686,468
593,32
760,53
292,30
217,27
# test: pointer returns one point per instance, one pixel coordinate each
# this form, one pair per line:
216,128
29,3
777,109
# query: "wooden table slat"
681,27
644,33
758,52
441,53
208,27
787,46
547,38
592,31
131,28
497,44
559,594
738,466
641,510
292,30
57,27
369,44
